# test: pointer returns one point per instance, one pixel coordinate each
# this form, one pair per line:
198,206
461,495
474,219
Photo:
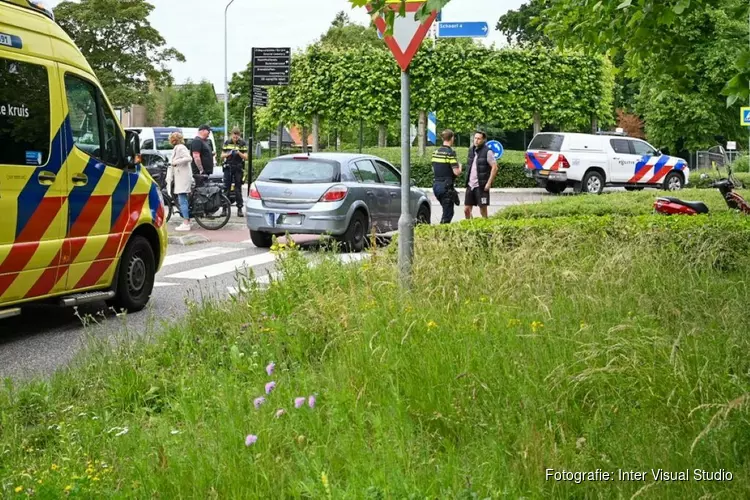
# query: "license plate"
543,173
290,220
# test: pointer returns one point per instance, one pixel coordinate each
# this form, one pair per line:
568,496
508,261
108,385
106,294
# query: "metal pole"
226,84
361,134
405,222
250,140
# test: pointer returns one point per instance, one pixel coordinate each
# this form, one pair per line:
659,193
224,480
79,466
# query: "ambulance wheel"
135,276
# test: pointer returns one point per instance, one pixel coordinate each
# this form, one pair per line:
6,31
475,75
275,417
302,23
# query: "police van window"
547,142
620,146
642,149
84,118
24,113
388,175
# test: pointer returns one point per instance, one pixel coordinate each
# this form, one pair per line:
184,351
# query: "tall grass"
569,343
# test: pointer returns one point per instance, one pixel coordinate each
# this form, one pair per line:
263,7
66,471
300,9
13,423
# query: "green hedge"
510,167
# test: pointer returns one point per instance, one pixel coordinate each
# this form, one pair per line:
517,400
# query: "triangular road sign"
408,33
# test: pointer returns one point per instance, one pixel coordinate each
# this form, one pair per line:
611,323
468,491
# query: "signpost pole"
405,222
250,141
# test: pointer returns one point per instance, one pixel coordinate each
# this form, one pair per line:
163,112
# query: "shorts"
477,197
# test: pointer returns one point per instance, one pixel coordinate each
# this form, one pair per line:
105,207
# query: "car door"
622,162
649,168
98,205
33,182
392,181
376,195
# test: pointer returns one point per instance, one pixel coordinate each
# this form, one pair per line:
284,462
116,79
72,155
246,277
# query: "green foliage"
500,87
523,26
193,104
344,34
599,343
124,50
682,53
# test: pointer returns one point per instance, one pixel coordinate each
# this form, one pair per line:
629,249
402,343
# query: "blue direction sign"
745,117
496,148
463,30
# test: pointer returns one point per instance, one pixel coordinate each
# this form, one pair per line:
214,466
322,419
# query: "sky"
196,28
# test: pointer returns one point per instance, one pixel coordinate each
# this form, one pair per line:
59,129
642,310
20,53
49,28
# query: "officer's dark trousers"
233,175
442,191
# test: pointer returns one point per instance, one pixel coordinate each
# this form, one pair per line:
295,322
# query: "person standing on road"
234,155
446,169
482,171
183,179
203,156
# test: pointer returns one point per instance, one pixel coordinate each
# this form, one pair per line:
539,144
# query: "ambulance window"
111,138
84,118
24,113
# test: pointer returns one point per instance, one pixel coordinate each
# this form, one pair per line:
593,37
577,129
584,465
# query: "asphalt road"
44,338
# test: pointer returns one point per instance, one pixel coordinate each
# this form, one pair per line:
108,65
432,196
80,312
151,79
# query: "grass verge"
576,343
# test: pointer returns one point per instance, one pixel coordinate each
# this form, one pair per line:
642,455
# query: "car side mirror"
132,148
658,152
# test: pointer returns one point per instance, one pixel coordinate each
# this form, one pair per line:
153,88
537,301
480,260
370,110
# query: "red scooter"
672,206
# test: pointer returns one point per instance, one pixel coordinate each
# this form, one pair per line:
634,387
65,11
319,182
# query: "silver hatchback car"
338,194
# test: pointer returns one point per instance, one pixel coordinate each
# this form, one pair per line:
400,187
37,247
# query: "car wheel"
555,187
355,237
673,182
261,239
423,215
135,276
593,182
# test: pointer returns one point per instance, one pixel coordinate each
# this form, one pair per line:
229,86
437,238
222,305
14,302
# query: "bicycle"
204,202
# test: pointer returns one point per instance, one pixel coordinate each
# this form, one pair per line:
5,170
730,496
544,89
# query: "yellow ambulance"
80,220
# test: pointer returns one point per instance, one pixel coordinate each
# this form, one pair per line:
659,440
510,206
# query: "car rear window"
547,142
24,113
298,172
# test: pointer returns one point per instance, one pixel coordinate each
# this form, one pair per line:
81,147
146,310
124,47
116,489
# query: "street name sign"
463,30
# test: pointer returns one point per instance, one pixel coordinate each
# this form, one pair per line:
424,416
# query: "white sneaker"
183,227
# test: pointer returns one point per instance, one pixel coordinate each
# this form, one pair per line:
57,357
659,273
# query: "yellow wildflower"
431,325
69,487
19,489
536,326
96,478
513,323
54,467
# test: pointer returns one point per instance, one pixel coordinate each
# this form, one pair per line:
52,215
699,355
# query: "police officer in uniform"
234,155
446,169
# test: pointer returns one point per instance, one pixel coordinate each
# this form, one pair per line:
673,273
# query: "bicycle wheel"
168,206
211,221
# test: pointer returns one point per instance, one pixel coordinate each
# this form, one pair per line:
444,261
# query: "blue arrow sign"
463,30
745,116
496,148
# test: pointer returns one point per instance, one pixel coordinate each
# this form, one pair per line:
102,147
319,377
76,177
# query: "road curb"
188,240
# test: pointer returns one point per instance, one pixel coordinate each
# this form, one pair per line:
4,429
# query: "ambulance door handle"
46,178
80,180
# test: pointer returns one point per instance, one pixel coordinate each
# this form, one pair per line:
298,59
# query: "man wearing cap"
234,155
203,156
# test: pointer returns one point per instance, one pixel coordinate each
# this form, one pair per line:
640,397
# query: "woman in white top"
183,177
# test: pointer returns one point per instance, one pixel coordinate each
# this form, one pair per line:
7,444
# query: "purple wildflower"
250,439
280,412
311,401
270,367
298,402
270,387
259,401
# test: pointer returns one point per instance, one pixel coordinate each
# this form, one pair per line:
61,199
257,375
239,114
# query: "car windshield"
298,172
547,142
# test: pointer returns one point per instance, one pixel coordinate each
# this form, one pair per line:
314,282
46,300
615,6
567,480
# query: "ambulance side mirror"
132,148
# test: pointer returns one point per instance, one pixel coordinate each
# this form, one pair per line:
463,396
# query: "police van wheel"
555,187
593,182
135,276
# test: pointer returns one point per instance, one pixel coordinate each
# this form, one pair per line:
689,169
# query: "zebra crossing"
224,263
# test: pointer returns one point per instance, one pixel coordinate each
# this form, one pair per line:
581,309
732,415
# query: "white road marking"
180,258
159,284
231,266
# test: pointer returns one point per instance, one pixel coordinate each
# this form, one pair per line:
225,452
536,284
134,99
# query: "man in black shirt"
203,155
446,168
234,155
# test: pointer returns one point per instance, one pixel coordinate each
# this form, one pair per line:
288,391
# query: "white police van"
589,162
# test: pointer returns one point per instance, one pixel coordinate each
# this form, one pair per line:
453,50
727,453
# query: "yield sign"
408,33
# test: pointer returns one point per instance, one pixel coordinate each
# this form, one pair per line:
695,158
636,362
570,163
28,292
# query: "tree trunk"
594,124
383,136
304,138
537,123
316,133
279,139
422,133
